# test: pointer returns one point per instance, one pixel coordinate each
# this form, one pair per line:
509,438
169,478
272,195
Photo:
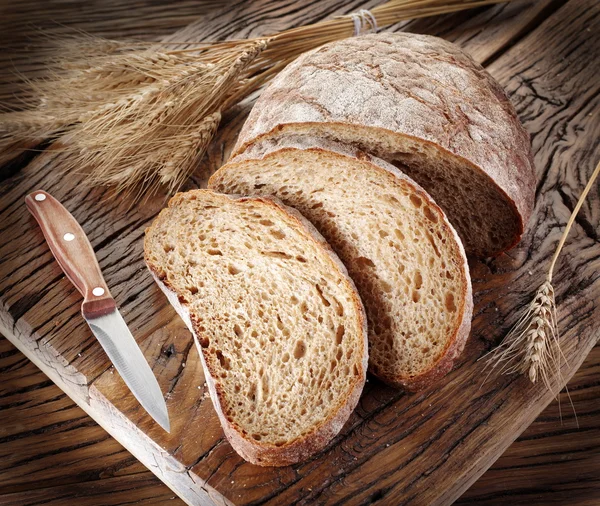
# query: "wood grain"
557,459
395,446
552,462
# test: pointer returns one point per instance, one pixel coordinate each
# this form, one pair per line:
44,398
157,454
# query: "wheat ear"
532,346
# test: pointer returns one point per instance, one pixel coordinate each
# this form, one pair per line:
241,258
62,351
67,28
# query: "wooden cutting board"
396,448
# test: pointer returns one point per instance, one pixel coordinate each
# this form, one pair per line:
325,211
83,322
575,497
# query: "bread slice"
419,103
278,323
404,256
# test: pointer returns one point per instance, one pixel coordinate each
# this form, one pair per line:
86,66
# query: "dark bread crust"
263,454
414,89
270,149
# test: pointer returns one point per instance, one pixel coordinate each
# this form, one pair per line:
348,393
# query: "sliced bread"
423,105
278,323
404,256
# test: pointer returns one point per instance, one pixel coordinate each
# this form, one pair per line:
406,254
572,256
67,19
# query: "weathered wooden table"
545,53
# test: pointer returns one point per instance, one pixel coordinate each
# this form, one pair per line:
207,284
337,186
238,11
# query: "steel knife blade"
74,253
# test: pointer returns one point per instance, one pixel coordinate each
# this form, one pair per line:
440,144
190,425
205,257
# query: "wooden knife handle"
73,251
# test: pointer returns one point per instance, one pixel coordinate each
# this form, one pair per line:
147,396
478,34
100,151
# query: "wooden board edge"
183,482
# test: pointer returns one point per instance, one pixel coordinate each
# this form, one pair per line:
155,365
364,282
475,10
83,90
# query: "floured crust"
272,148
417,89
264,454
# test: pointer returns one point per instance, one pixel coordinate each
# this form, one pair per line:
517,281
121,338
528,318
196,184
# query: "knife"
74,253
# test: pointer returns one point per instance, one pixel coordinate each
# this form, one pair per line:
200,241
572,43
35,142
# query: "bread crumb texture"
405,258
278,322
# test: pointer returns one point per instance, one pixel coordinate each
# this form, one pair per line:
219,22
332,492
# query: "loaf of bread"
404,256
421,104
279,326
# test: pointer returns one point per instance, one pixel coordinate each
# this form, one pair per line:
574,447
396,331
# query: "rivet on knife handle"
73,251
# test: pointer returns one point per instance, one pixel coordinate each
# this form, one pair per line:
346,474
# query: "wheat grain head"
532,346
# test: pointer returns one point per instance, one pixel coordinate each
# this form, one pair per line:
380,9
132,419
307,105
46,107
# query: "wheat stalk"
140,117
532,346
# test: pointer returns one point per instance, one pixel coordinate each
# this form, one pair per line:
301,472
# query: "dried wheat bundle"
141,117
532,346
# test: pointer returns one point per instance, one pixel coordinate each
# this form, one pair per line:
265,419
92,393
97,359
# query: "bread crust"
271,148
264,454
414,88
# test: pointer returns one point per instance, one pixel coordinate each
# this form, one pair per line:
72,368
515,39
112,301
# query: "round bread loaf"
421,104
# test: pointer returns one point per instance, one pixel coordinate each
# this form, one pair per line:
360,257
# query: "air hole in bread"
450,304
430,215
252,392
223,360
339,334
277,254
233,270
364,262
212,251
416,201
320,292
279,323
433,244
299,350
418,280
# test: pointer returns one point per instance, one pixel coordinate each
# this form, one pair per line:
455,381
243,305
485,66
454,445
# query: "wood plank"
487,33
139,19
208,464
25,26
552,462
115,491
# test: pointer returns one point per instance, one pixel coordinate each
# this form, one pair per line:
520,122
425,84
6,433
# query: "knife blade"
74,253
